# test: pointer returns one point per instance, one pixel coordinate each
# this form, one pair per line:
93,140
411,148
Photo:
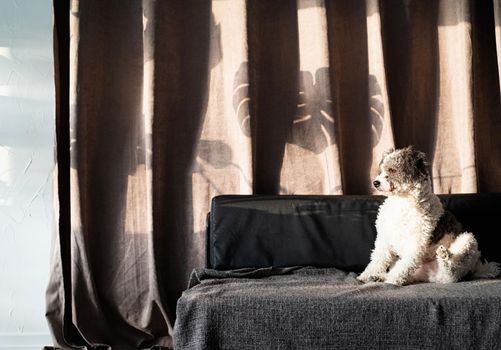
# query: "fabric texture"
162,105
311,308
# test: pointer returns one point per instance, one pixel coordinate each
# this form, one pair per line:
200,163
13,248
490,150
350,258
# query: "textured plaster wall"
26,165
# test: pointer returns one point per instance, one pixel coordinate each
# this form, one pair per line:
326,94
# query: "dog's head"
402,170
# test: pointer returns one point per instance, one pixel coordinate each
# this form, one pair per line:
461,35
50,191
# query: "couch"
281,274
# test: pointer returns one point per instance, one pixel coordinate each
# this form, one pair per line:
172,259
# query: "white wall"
26,164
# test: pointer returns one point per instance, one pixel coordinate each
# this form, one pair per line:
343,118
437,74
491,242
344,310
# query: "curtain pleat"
382,135
162,105
454,169
310,152
497,24
347,34
486,104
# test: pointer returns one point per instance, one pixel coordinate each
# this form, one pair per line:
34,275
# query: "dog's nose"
376,183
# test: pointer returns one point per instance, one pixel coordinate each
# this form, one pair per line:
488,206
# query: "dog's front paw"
396,279
396,282
370,278
377,278
364,277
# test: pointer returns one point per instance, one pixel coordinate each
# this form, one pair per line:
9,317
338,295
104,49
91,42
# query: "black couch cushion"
323,231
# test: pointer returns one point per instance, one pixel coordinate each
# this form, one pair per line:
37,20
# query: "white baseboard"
24,341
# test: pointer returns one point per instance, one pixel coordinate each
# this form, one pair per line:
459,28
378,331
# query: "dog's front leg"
403,269
381,259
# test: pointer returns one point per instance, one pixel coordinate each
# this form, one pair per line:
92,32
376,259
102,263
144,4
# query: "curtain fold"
497,23
162,105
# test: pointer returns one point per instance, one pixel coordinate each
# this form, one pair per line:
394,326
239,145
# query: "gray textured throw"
309,308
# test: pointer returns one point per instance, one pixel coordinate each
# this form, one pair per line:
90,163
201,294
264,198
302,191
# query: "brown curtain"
162,105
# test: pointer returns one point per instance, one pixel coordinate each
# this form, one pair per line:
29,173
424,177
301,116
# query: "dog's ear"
422,163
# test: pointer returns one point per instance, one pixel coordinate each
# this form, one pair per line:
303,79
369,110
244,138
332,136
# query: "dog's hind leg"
464,244
454,263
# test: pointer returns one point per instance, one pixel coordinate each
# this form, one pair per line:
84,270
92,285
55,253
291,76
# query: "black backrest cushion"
481,215
323,231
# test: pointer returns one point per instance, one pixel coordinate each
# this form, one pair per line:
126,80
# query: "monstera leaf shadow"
241,98
215,152
314,124
376,108
218,155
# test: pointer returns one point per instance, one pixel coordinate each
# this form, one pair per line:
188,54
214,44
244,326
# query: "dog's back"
447,224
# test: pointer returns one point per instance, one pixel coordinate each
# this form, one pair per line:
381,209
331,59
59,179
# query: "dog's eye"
391,170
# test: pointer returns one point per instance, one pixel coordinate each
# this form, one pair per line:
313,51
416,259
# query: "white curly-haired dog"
417,240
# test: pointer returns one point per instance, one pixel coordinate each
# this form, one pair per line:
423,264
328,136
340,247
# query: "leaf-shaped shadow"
376,109
215,152
241,98
218,155
314,125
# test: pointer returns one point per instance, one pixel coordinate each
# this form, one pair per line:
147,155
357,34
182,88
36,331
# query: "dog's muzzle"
376,183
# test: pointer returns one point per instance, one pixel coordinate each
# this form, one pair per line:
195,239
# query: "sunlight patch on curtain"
313,138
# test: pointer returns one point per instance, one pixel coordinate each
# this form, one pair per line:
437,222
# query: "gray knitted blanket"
310,308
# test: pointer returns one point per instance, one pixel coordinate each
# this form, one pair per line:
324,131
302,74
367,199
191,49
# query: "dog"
417,240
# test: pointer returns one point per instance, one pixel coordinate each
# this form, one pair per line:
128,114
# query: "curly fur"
417,241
